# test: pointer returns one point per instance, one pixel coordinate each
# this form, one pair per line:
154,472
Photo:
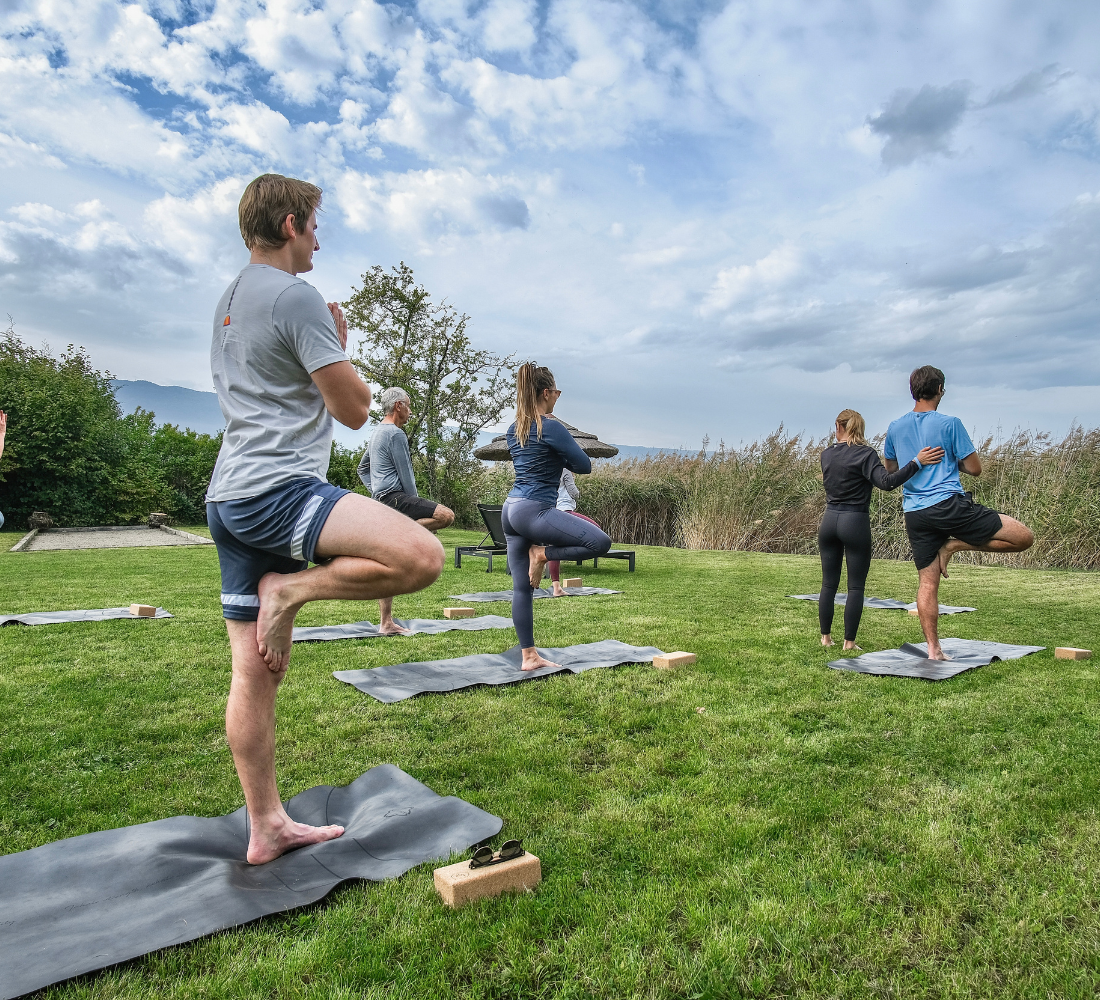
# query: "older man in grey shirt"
386,470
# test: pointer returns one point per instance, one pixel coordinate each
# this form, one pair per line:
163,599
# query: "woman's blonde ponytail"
853,425
531,380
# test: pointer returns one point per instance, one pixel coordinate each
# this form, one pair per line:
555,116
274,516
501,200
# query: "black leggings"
843,532
529,522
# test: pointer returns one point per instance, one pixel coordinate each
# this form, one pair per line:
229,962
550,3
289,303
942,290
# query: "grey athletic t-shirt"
271,331
386,465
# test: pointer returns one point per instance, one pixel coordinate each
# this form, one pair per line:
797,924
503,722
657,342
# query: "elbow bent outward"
971,465
347,397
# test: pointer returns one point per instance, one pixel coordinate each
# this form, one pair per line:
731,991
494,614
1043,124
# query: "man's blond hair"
266,203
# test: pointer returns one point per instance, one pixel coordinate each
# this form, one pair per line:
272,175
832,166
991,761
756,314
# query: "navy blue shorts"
275,532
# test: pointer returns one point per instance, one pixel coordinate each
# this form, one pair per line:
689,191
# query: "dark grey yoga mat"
419,626
99,615
404,680
506,595
911,660
83,904
883,603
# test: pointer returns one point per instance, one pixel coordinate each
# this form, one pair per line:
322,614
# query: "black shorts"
956,517
417,508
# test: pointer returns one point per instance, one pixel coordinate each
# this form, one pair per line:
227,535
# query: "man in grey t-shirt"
386,470
278,362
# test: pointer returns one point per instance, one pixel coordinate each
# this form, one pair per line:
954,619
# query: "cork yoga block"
459,612
666,661
459,884
1072,653
142,610
573,581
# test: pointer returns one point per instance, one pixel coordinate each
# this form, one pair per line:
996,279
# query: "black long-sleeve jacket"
851,471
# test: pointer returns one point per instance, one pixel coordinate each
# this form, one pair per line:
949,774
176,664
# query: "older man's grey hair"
391,397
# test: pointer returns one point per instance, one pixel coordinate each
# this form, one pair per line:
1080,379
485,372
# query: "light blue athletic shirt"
930,429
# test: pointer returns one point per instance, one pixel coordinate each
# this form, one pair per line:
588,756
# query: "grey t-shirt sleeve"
305,326
364,468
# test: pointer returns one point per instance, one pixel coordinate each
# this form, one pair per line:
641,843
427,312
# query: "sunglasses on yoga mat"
484,855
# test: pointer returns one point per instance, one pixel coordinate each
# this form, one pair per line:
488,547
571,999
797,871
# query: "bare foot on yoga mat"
392,628
938,655
532,660
281,834
827,640
559,590
275,626
538,564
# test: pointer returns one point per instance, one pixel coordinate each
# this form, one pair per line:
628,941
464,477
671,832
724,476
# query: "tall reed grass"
769,497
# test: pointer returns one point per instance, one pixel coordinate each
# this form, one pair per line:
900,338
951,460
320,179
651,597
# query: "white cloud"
432,204
508,25
666,189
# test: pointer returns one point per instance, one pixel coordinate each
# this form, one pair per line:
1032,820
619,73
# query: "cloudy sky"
707,217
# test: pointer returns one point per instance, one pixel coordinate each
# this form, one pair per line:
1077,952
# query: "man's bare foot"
938,654
392,628
827,640
275,624
559,590
849,644
944,557
533,661
538,564
279,834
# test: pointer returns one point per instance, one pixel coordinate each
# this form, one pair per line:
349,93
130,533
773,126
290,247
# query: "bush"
343,468
70,452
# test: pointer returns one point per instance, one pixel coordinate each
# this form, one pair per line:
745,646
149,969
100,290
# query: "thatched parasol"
497,449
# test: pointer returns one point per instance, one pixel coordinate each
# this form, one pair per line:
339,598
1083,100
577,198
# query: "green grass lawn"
756,825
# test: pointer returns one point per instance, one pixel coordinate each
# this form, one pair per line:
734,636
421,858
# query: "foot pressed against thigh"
363,528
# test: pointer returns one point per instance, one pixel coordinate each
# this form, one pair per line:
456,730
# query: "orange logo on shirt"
226,323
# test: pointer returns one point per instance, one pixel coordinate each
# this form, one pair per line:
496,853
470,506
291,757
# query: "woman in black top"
850,469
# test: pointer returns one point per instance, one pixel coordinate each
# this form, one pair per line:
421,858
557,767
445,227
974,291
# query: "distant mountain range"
173,404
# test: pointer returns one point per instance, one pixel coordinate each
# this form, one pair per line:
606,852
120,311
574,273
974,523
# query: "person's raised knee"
424,562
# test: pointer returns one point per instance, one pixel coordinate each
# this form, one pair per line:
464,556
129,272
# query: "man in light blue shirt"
940,517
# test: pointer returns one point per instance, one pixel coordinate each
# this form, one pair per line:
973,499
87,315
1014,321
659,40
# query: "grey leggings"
530,522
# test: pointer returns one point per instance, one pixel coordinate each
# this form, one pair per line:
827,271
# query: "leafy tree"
71,453
343,468
64,447
456,390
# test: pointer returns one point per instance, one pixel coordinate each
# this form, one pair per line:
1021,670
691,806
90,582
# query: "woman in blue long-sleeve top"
535,529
